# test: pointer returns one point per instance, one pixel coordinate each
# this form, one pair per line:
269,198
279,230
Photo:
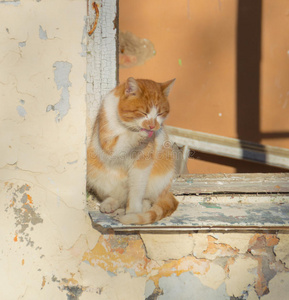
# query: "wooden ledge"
242,202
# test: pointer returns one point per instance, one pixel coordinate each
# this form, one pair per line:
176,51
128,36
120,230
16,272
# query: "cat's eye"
143,113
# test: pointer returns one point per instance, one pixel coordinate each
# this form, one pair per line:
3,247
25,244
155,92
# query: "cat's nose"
152,126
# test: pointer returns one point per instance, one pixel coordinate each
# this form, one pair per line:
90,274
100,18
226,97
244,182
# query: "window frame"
102,76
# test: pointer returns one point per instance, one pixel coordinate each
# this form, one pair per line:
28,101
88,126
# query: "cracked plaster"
42,33
62,70
45,248
214,277
241,275
187,286
44,230
278,286
281,249
169,246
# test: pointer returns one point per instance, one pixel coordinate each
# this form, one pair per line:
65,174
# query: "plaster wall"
43,226
48,248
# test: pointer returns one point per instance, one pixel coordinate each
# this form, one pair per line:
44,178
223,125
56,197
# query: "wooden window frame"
207,202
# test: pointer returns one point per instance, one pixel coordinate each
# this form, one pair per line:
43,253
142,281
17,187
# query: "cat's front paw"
109,205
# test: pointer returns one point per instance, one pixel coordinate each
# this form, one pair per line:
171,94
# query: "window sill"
243,202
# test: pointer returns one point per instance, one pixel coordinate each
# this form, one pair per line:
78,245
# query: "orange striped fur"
130,159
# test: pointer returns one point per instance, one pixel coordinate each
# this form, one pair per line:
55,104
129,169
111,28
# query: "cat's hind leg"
111,190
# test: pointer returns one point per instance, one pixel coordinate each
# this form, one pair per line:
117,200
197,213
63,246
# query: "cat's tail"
163,207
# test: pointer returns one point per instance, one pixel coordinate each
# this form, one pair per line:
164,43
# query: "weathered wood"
230,147
220,202
231,183
185,155
204,215
102,54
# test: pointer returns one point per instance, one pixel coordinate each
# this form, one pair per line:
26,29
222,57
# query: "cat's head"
143,104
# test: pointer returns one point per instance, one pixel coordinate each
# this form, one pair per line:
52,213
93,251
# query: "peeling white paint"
22,44
214,277
278,286
10,2
241,276
200,244
149,288
188,286
101,58
42,33
45,155
21,111
169,246
235,240
61,78
281,250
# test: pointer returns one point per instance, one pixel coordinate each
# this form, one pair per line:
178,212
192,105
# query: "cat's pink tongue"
149,132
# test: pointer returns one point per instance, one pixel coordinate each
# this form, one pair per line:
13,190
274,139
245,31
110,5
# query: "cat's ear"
131,86
167,86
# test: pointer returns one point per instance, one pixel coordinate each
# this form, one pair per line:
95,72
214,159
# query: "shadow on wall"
248,56
135,51
248,59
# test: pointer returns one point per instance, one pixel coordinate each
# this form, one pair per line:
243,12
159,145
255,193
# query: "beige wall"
199,42
43,226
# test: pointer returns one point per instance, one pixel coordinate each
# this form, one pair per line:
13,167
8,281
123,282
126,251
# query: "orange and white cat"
130,161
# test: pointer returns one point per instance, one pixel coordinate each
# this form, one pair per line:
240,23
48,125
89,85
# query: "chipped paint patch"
241,275
119,254
73,292
62,70
10,2
215,249
169,246
155,294
177,267
42,33
235,240
25,214
208,247
262,247
281,249
22,44
210,205
21,111
279,287
149,288
188,286
214,278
